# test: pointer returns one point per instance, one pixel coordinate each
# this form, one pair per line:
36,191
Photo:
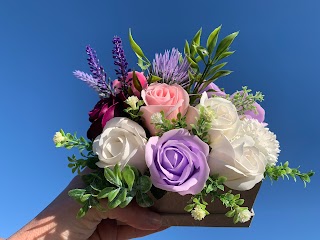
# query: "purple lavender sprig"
120,61
98,79
87,78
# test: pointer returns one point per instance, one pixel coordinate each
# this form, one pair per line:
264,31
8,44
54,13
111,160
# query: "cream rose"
239,161
122,141
225,119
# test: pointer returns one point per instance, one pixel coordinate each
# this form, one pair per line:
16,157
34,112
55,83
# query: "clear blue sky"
42,42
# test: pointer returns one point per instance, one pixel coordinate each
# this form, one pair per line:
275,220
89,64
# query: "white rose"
239,161
226,116
122,141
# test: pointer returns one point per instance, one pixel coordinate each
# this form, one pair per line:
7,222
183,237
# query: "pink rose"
142,79
171,99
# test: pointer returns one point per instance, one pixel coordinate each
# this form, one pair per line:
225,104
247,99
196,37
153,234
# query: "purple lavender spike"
105,89
120,61
87,78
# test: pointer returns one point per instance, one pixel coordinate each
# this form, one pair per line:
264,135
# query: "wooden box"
171,206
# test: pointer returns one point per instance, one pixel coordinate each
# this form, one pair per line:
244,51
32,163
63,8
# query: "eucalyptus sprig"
117,186
195,53
283,170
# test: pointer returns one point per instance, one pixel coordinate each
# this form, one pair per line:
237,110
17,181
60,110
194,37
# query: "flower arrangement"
169,128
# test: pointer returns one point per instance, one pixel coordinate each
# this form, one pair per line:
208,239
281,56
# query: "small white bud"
58,138
132,102
156,118
245,215
198,213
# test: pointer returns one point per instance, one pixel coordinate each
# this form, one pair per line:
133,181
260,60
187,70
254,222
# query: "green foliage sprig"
68,141
196,53
283,170
118,186
133,108
164,125
203,125
215,189
244,100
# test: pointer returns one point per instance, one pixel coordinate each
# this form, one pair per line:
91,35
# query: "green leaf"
225,44
112,195
105,192
219,74
135,47
212,39
240,202
85,197
143,199
91,163
189,207
193,64
76,193
117,173
157,192
186,48
202,52
155,78
144,184
221,187
231,213
129,176
136,82
216,68
121,197
126,202
83,210
225,54
196,38
111,177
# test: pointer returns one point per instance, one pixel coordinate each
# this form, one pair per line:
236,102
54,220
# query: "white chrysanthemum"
198,213
58,138
264,139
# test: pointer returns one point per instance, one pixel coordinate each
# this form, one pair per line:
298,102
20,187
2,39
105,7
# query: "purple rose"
178,162
217,91
102,112
259,115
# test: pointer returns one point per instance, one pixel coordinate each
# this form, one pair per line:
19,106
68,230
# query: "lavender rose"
178,162
217,91
102,112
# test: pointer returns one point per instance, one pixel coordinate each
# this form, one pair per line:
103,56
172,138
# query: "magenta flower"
102,112
178,162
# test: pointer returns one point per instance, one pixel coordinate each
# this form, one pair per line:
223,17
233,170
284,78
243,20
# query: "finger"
128,232
137,217
106,230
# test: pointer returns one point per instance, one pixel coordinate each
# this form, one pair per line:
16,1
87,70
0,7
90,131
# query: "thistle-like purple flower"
120,61
171,68
98,80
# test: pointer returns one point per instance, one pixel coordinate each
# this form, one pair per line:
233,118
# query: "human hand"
58,221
